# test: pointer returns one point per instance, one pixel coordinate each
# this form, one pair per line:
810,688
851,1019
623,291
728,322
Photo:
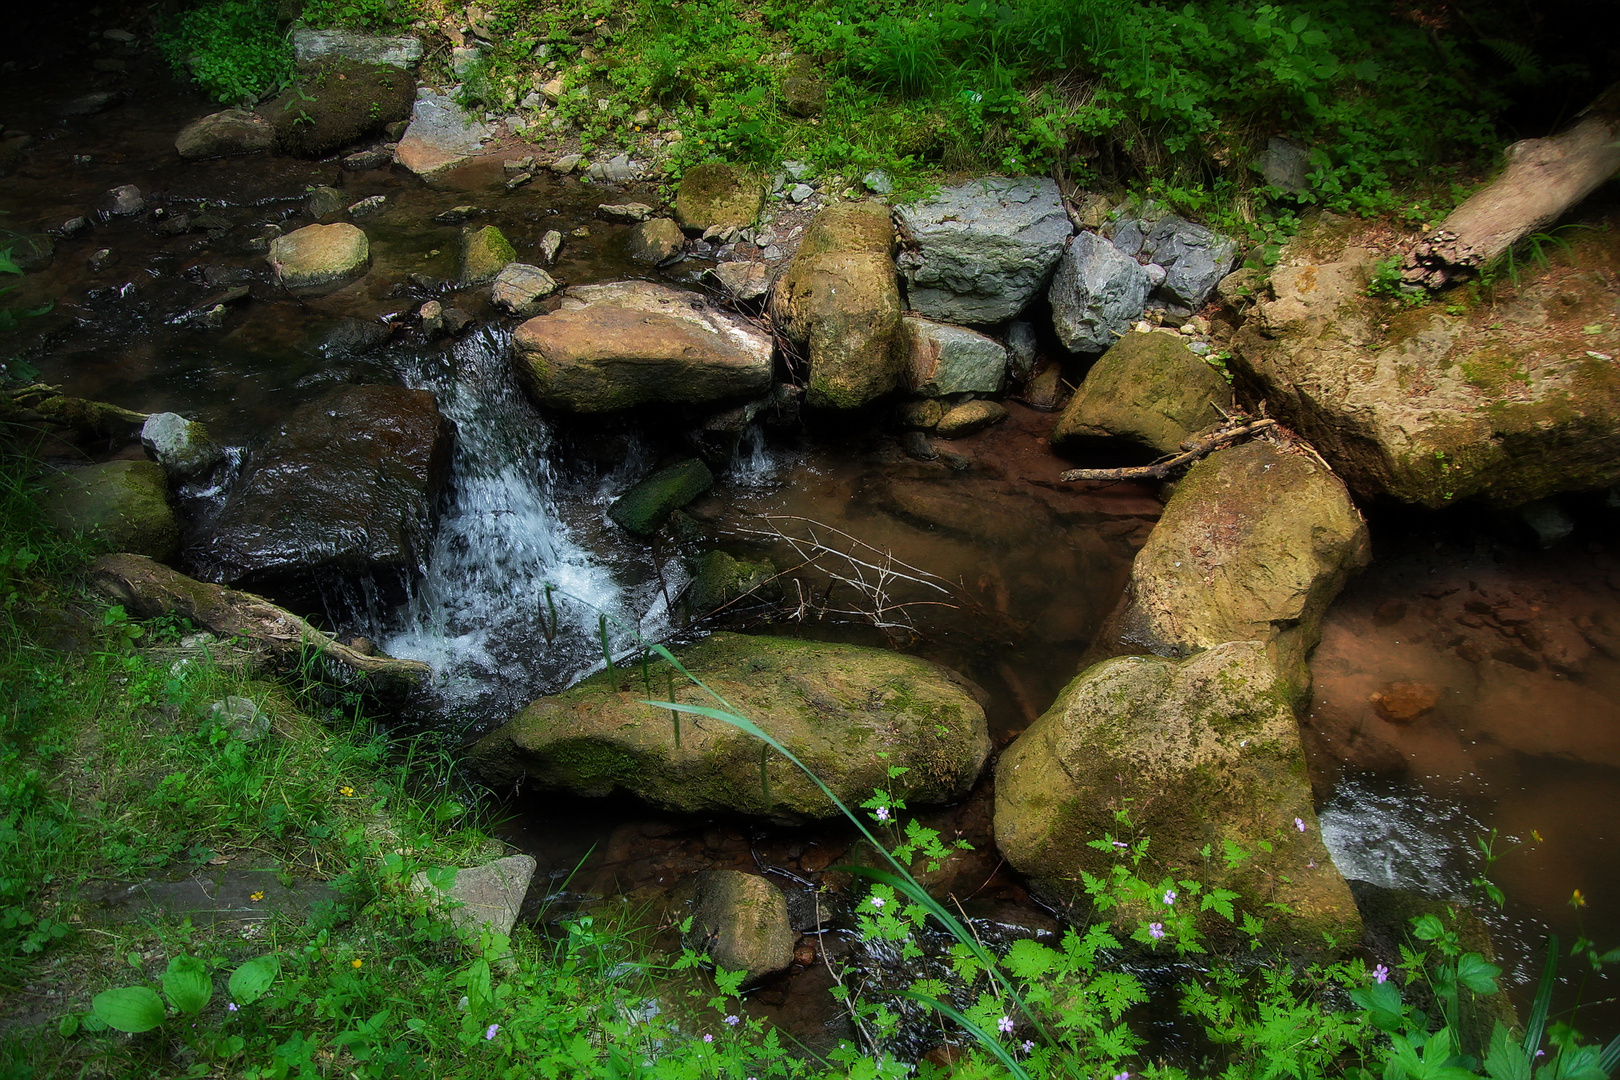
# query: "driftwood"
41,403
146,588
1192,450
1543,178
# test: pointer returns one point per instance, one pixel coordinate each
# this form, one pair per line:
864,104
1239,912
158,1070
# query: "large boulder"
1149,391
348,483
337,102
849,713
839,302
119,506
980,251
629,343
1204,754
225,134
1193,258
311,46
1253,546
946,359
741,922
1096,293
320,258
718,195
1439,403
441,136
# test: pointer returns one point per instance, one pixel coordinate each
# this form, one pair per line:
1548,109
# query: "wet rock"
741,922
456,215
326,204
631,212
566,164
31,251
484,251
456,320
718,580
655,241
432,316
1404,702
368,207
1253,546
441,136
320,257
946,359
917,445
348,483
925,414
311,46
982,249
123,200
1547,521
1148,391
87,104
182,447
622,344
849,713
119,505
646,506
225,134
519,289
969,417
1097,292
351,336
1022,346
241,717
616,170
550,247
718,194
1206,752
337,102
102,259
487,897
742,280
839,302
378,157
73,226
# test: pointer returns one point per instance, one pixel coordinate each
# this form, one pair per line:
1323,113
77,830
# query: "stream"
1467,682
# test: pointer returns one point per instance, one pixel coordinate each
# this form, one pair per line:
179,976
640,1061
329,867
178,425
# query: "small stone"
487,897
484,252
457,320
566,164
625,211
925,413
519,289
124,200
241,717
742,280
103,258
87,104
320,256
73,226
655,241
183,447
800,192
878,183
581,233
916,445
741,921
796,170
366,160
1404,702
553,91
515,182
368,207
456,215
516,166
326,203
432,316
550,246
968,418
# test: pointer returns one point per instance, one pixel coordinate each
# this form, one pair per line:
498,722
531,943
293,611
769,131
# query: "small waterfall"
753,465
509,604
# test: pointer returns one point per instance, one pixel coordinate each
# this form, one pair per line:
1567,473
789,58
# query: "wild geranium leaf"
187,984
1428,928
250,981
1025,960
131,1009
1476,974
1505,1060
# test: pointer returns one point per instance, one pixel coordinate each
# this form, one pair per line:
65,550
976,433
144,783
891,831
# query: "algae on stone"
120,505
646,506
718,195
484,252
1149,391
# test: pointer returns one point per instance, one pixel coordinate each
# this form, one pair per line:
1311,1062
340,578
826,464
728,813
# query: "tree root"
1192,450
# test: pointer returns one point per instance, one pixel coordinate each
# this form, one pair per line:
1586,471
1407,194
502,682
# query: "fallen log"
147,589
1543,179
1192,450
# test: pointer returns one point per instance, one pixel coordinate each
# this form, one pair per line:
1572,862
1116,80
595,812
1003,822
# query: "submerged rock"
349,482
840,303
1204,754
646,506
628,343
947,359
1097,292
718,580
326,204
441,136
849,713
320,257
718,195
982,249
1149,391
741,922
120,505
225,134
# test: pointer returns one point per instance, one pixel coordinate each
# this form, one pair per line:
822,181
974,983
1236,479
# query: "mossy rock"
848,713
718,194
646,506
336,102
718,579
1149,391
119,505
1203,753
485,251
741,922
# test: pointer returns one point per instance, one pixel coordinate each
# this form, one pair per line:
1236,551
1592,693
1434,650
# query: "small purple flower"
1169,897
1121,844
231,1007
708,1038
1123,1076
733,1020
1005,1024
1299,823
489,1032
877,901
881,813
1156,930
1029,1044
1380,974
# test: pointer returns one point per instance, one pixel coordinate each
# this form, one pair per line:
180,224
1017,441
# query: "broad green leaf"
132,1009
1428,927
1476,974
187,984
250,981
1505,1059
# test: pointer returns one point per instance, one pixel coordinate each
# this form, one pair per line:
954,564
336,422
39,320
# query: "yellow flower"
1536,836
347,792
1577,900
257,896
356,963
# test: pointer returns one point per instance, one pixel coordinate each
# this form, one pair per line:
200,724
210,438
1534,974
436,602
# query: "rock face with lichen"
839,302
1443,402
849,713
1204,753
1149,391
718,195
119,505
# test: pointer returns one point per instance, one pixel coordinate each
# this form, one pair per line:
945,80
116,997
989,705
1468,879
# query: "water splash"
753,464
1393,836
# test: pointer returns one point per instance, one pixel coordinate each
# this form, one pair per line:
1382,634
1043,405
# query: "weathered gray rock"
225,134
241,717
326,204
441,136
1149,391
946,359
849,713
717,194
647,505
743,280
969,417
618,169
183,447
551,246
839,301
485,251
1097,292
487,897
631,212
741,921
982,249
1283,164
320,258
369,207
120,505
1205,752
309,46
1022,346
622,344
1194,258
655,241
519,289
124,200
348,483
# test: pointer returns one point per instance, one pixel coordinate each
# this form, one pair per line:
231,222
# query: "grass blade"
1538,1009
985,1039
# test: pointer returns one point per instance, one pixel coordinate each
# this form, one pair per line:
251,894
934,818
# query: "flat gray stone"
441,136
209,896
1097,292
401,51
486,897
519,288
946,359
982,249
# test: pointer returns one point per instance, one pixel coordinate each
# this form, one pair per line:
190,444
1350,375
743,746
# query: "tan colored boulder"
519,289
741,921
969,417
839,301
655,240
628,343
225,134
320,257
1204,754
1149,391
718,195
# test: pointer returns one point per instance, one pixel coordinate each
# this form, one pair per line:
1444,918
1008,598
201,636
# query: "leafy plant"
234,49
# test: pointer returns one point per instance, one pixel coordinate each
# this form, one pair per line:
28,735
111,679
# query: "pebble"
800,192
550,245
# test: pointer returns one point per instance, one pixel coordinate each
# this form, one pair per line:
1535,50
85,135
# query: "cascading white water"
510,601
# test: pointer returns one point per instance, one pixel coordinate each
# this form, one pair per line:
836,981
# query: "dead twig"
1192,450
